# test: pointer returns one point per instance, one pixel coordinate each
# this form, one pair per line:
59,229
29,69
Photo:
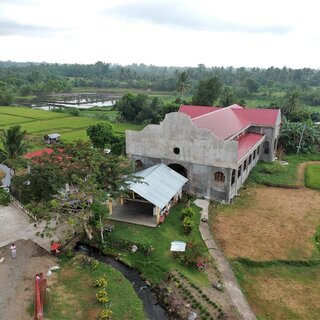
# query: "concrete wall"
201,153
197,146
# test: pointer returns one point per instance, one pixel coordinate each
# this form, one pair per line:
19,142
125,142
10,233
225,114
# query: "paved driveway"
15,225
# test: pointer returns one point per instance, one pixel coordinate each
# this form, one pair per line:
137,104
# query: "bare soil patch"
17,278
273,223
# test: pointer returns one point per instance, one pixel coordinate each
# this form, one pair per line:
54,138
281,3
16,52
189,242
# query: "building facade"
215,148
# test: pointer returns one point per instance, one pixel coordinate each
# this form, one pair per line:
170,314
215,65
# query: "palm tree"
13,144
183,82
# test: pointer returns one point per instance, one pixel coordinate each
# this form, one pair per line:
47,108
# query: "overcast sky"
250,33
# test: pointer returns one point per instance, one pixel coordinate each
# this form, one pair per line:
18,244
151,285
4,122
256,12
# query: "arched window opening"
239,172
266,147
258,151
219,176
245,165
233,176
254,154
250,157
139,164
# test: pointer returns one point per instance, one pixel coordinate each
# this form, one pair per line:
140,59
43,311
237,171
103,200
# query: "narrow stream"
152,309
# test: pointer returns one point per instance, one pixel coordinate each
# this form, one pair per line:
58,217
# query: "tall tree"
100,134
207,92
13,141
226,98
183,82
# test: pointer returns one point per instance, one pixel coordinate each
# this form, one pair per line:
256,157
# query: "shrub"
4,197
102,296
106,314
187,213
86,261
101,282
188,225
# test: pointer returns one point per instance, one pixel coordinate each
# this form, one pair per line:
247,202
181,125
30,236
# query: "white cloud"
181,33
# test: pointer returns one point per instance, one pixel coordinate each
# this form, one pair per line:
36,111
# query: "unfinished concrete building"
215,148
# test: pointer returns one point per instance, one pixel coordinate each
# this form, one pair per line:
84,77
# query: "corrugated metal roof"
223,123
226,122
196,111
247,142
159,184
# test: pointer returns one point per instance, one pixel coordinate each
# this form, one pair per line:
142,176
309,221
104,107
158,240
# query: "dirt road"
17,278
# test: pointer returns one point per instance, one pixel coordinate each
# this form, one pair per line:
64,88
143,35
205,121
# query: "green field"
39,122
312,176
31,113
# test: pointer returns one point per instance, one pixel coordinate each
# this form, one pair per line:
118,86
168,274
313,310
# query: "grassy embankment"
272,239
312,176
73,296
277,174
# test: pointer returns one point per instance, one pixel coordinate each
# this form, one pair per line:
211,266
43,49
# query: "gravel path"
229,280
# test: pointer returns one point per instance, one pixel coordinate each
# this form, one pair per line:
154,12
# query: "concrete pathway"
230,281
15,225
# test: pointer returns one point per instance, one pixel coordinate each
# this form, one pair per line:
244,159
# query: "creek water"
152,309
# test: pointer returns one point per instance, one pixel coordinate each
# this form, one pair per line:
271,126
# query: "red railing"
40,296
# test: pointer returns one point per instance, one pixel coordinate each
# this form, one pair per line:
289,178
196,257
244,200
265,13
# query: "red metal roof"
226,122
37,153
196,111
223,123
247,142
264,117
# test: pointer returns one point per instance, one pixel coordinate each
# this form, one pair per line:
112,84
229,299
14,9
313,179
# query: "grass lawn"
155,266
281,292
312,176
275,173
74,295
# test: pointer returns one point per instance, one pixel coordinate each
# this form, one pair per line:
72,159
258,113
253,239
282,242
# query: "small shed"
158,187
51,138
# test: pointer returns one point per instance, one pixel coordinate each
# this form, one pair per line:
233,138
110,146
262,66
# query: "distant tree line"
23,79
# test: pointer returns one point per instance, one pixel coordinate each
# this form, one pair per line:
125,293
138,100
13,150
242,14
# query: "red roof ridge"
220,109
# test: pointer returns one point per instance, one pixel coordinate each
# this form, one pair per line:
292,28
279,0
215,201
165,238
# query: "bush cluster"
4,198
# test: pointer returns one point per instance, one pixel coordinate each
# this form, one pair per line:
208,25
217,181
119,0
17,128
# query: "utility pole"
299,146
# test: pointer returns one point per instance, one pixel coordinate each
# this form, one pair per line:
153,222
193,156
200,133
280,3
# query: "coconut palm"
13,144
183,82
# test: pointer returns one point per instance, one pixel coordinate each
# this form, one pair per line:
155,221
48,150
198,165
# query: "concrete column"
110,205
158,213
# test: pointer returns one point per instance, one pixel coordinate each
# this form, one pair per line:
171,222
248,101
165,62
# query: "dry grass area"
283,292
269,223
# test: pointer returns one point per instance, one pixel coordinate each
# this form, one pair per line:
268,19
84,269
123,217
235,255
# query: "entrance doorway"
179,168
